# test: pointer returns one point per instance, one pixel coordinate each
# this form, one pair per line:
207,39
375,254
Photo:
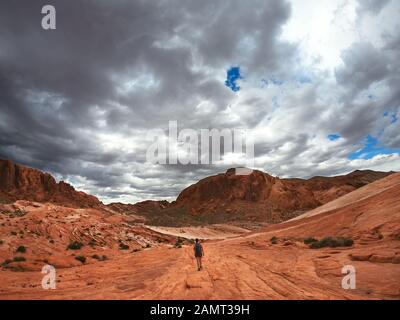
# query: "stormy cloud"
79,101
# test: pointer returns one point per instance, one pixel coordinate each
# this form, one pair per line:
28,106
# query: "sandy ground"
212,232
233,269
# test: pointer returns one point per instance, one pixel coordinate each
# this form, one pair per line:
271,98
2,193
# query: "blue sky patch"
232,75
264,83
303,78
393,116
276,81
372,147
333,136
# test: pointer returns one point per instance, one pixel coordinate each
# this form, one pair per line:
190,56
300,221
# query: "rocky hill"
259,196
18,182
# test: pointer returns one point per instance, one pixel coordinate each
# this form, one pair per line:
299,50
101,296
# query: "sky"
316,84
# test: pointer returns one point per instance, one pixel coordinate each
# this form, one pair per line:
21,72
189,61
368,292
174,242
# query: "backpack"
197,248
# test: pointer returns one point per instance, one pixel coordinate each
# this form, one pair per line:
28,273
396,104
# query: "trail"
233,269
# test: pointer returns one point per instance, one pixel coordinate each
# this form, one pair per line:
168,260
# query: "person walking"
198,253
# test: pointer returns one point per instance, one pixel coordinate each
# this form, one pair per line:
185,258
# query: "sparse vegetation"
178,243
97,257
123,246
21,249
75,245
19,259
332,242
19,213
309,240
92,243
6,262
13,233
81,259
148,245
274,240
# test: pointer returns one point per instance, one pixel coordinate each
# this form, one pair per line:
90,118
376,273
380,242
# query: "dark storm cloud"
79,101
364,65
121,67
373,6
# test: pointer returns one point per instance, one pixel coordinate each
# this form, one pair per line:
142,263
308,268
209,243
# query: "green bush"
178,243
309,240
75,246
19,213
19,259
123,246
274,240
6,262
21,249
81,259
332,242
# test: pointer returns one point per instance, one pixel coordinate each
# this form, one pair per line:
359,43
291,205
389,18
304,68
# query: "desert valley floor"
241,265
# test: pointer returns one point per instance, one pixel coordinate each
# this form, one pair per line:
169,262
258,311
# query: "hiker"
198,253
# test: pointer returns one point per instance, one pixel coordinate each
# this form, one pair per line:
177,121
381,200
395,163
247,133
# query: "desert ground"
237,264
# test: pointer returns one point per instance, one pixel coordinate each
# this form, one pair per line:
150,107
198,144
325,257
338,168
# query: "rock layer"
18,182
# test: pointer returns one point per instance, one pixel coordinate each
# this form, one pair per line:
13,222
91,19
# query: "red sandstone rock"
261,197
18,182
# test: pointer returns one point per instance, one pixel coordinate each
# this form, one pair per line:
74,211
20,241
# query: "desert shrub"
19,213
178,243
21,249
309,240
19,259
13,233
75,246
274,240
81,259
1,242
51,241
97,257
348,242
6,262
148,245
123,246
92,243
332,242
